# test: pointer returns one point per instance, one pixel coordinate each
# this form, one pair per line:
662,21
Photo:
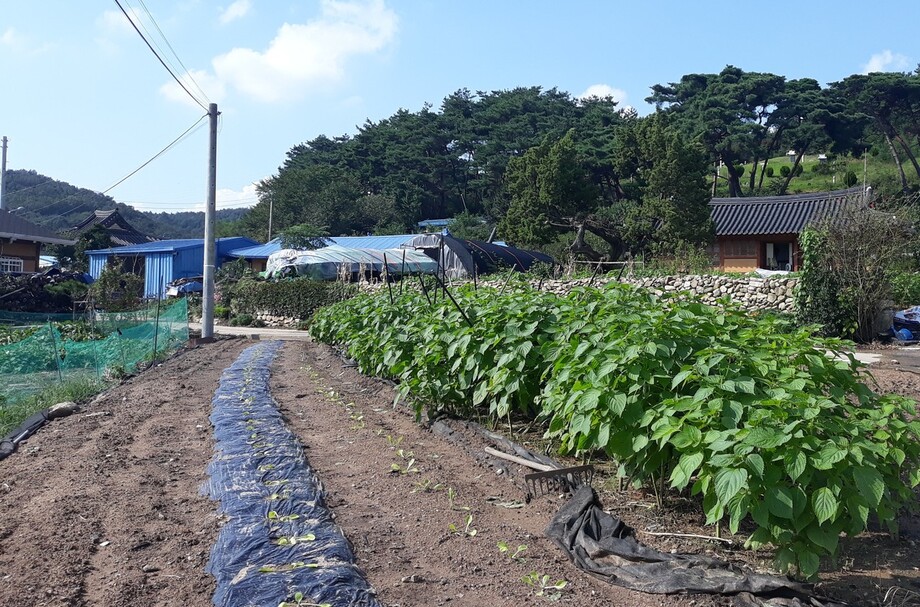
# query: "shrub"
298,297
770,171
798,170
850,179
784,170
222,312
905,288
242,320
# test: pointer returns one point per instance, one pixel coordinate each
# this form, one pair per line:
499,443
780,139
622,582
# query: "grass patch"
76,390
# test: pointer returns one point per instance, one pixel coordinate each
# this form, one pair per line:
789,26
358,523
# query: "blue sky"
83,100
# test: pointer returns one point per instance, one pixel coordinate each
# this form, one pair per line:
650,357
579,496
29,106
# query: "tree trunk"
910,155
766,159
897,160
580,247
734,180
753,176
791,176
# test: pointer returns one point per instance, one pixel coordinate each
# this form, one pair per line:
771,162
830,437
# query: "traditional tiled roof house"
762,232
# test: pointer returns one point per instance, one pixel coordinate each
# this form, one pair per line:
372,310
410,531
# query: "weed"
451,496
426,486
409,468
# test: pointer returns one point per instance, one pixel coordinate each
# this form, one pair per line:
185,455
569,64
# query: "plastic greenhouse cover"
279,538
327,262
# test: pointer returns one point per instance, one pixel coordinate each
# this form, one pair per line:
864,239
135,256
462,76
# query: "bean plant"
764,421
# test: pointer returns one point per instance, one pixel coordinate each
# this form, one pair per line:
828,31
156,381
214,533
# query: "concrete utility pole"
3,174
210,253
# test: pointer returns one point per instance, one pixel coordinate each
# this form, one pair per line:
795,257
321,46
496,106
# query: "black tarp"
279,537
605,546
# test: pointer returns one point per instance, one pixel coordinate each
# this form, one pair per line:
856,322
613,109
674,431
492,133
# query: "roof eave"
33,238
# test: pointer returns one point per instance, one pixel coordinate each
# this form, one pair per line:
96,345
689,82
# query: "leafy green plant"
763,421
543,585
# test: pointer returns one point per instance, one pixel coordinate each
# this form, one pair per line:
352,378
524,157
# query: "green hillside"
59,206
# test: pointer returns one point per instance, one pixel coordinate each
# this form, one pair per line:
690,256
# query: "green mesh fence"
130,338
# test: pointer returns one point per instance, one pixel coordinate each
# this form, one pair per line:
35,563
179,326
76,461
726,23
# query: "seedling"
276,483
285,518
426,486
451,496
394,441
544,586
293,540
300,602
504,548
405,454
407,469
467,529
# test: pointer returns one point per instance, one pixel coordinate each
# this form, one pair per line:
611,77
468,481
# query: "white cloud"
605,90
213,88
237,10
19,43
886,61
233,199
114,22
305,56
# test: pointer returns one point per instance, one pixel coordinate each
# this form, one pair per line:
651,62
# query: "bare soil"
104,507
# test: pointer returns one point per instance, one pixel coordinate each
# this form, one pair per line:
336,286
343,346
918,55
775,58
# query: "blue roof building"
164,261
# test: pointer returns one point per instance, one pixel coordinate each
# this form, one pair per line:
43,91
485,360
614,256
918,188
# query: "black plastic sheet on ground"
279,538
605,547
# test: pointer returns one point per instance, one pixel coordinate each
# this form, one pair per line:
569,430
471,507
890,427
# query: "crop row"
757,417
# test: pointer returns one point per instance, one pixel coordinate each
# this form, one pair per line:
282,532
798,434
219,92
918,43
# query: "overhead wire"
160,59
173,51
185,134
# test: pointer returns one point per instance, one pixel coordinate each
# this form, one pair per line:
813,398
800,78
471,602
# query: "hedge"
298,297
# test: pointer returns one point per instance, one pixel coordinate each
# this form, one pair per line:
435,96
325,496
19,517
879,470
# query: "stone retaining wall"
750,292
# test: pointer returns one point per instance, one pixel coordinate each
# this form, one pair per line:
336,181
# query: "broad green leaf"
795,464
680,377
825,538
755,462
730,481
824,505
689,436
808,563
779,501
683,471
870,484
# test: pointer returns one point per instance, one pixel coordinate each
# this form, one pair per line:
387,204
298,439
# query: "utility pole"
3,173
210,254
271,207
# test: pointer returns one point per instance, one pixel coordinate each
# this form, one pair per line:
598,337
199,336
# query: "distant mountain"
60,206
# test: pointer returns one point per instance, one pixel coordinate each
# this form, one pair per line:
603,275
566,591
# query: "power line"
157,55
171,144
176,55
187,131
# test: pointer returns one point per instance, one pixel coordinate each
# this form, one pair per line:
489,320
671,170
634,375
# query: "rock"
62,410
150,568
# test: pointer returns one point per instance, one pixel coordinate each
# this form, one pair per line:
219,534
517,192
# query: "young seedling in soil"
394,441
467,529
299,601
544,586
451,496
409,468
286,518
426,486
504,548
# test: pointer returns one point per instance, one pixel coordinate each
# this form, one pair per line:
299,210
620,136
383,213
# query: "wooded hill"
617,184
60,206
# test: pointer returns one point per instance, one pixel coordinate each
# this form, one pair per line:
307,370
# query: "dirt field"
104,507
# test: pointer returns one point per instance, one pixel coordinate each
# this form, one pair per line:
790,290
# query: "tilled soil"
104,507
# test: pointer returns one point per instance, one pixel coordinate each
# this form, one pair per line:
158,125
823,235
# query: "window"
10,264
740,248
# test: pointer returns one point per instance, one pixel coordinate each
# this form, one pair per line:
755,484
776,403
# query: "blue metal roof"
372,242
171,246
261,251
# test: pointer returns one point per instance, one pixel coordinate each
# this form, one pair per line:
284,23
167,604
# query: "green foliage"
905,288
784,170
304,236
467,226
817,297
298,297
755,419
850,179
75,390
116,290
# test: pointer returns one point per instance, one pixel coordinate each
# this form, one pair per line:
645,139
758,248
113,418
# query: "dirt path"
103,507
